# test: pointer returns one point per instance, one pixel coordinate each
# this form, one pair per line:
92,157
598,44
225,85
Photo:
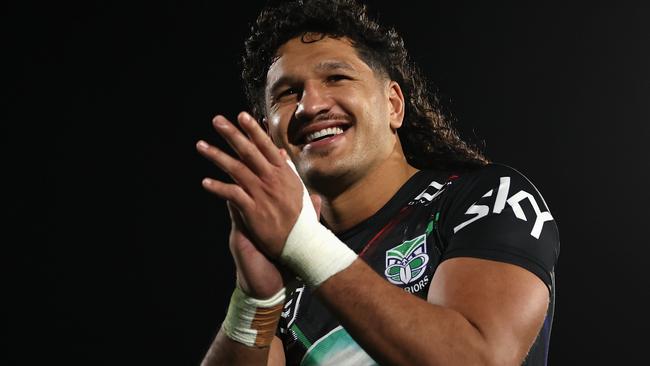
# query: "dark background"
118,257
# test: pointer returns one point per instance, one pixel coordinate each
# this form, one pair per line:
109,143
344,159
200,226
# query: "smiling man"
364,231
337,119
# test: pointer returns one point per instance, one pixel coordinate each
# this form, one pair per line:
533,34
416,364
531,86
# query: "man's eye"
337,77
287,92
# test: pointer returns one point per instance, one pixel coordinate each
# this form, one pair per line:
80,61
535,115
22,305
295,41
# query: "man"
395,242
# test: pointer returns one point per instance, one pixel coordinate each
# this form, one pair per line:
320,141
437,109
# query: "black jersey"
492,212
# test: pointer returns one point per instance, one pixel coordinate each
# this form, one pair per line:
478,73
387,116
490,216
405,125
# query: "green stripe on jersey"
301,336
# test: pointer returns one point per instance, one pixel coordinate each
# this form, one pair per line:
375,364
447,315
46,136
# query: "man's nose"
313,101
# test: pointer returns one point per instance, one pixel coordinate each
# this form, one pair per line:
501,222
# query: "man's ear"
265,125
396,101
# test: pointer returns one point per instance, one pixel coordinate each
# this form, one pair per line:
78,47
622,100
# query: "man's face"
333,114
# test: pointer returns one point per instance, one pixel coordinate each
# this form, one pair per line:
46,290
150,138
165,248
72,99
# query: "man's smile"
321,130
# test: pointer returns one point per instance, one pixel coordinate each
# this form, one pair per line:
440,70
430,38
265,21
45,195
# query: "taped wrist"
312,250
251,321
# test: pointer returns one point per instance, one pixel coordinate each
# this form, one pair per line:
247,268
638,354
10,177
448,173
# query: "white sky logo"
500,203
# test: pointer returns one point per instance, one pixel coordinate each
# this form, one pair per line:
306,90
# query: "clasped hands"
266,192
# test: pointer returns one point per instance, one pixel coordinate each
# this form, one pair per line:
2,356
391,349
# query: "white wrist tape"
311,250
251,321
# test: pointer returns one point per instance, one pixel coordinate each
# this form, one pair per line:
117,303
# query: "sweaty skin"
324,84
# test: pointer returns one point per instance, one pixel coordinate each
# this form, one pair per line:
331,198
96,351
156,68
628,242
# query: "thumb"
316,201
235,216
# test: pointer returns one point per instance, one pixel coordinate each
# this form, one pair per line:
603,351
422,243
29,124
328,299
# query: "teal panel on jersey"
337,348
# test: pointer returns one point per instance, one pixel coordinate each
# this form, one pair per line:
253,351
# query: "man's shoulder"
491,170
474,172
489,182
490,174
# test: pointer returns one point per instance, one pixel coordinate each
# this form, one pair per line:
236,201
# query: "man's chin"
326,179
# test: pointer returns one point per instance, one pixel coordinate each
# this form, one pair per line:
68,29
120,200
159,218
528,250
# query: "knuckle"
247,152
271,183
235,166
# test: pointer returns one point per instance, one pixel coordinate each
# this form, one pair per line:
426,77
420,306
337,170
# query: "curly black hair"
427,136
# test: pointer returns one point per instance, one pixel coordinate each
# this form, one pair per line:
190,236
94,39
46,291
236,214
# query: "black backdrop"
118,257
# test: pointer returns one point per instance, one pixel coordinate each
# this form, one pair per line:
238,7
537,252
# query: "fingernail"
219,122
203,145
245,117
206,181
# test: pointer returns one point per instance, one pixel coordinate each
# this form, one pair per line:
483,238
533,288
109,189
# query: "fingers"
248,152
233,167
235,216
260,138
259,158
233,213
229,192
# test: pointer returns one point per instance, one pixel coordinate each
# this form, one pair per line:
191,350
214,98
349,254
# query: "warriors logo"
407,262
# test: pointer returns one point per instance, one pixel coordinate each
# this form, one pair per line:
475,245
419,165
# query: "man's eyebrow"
283,80
333,65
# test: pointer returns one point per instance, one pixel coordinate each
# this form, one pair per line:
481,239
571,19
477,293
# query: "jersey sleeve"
496,213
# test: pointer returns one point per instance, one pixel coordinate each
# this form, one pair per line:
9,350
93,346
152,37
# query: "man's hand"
267,192
257,276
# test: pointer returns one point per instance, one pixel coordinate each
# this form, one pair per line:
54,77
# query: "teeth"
327,131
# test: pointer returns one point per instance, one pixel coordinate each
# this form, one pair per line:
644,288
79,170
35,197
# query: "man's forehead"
327,54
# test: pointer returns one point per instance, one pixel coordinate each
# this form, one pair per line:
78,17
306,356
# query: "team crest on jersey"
407,262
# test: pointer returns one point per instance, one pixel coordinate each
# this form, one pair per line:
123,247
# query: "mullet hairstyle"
427,136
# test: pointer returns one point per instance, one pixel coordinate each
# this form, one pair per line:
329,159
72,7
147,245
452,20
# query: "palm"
256,274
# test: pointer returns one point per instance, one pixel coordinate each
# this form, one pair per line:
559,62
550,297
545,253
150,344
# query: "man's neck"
366,196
